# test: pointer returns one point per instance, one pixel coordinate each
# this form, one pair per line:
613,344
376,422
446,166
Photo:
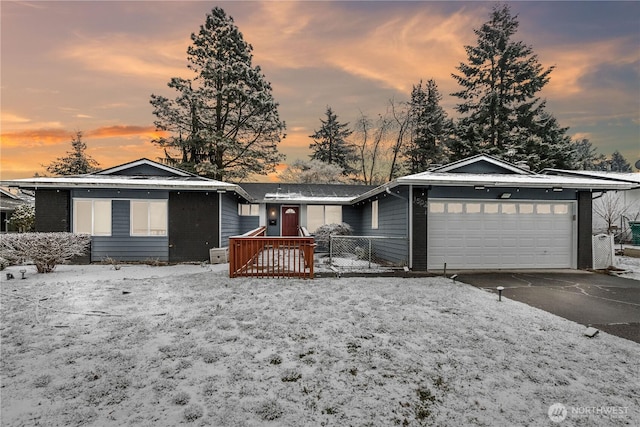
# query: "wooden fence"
256,255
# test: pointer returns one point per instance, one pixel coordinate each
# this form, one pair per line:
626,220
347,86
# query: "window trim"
148,202
93,215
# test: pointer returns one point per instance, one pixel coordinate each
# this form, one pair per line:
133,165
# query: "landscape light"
500,289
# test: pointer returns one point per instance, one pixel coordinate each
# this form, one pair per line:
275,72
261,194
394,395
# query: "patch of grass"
180,398
193,412
269,410
290,376
42,381
275,359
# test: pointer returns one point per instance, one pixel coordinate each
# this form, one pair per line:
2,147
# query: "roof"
496,164
9,202
305,193
157,176
632,177
447,176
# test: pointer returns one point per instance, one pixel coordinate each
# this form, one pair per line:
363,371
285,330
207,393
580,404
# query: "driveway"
609,303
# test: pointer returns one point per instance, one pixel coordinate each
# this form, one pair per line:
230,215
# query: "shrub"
46,250
324,232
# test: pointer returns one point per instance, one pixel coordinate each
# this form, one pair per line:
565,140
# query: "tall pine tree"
224,123
330,144
431,128
76,161
501,113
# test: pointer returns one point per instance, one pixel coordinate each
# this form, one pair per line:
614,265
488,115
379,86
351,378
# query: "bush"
324,232
45,250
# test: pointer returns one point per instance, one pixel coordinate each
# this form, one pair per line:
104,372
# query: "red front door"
290,220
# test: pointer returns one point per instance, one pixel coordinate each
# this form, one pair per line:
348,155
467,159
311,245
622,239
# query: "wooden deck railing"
256,255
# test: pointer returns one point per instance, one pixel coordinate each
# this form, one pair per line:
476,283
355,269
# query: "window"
374,214
248,209
526,209
543,209
92,217
509,208
491,208
436,207
474,207
318,215
560,209
148,217
454,207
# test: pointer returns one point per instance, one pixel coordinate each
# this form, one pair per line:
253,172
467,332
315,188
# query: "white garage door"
469,234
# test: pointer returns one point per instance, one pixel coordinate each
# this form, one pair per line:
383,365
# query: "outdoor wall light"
479,187
505,195
500,289
272,213
557,188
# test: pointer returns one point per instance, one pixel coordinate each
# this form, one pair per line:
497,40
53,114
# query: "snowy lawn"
162,346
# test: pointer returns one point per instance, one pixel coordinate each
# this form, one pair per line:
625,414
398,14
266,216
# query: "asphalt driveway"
609,303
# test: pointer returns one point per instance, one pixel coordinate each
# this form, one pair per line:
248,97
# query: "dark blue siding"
230,221
393,221
121,245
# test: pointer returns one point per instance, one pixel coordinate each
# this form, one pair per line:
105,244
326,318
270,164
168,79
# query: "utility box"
218,255
635,232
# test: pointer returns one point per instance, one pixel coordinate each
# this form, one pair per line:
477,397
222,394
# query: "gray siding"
230,221
121,245
393,221
124,247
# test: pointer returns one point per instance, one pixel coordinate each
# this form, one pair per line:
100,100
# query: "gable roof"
481,162
142,174
146,165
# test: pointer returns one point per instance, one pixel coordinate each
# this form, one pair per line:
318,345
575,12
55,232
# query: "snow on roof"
301,198
123,181
140,162
633,177
509,180
482,158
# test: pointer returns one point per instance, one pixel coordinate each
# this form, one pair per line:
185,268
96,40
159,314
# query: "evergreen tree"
617,163
330,144
224,123
500,112
76,161
431,128
586,156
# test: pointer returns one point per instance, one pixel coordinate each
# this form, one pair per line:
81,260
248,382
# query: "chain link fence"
368,252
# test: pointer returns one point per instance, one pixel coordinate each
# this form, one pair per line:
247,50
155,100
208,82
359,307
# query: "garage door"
469,234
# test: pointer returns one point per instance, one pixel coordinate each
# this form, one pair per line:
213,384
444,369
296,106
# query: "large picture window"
318,215
148,217
92,216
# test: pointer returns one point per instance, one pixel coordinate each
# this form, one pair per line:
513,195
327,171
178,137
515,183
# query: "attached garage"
490,234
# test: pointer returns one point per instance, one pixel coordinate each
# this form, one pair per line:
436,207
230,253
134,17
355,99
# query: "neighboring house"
9,202
139,211
478,213
612,210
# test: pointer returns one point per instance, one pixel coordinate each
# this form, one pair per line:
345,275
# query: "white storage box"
218,255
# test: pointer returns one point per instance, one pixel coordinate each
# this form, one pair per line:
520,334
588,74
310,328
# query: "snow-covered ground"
631,267
162,346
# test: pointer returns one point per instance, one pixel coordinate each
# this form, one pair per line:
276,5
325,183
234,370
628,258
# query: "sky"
92,66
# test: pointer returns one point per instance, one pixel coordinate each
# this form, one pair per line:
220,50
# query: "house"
9,202
612,211
139,211
477,213
485,213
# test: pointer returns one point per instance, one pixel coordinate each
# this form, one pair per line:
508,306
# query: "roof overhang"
125,182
